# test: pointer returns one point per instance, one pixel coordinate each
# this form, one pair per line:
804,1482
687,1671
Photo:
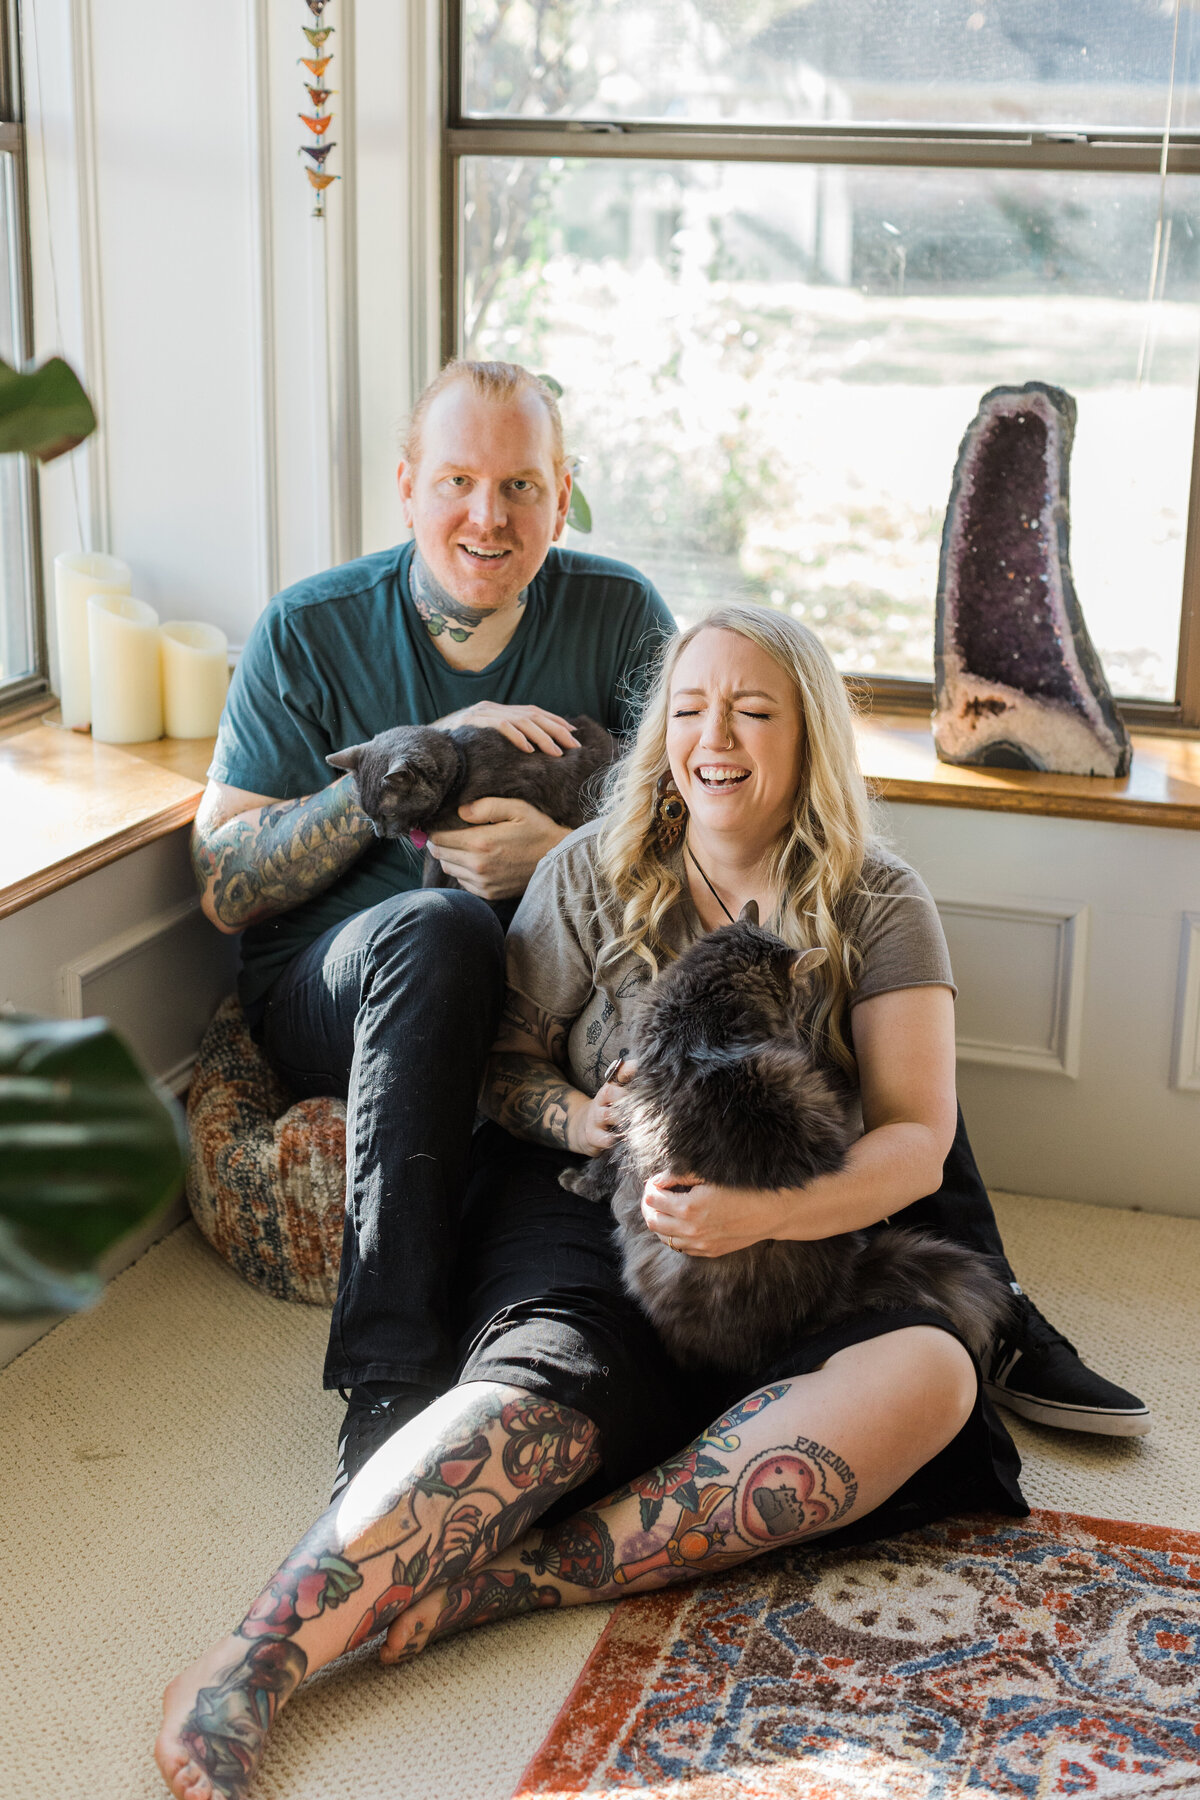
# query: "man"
361,983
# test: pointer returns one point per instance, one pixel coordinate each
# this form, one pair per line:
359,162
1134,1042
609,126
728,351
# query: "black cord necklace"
708,884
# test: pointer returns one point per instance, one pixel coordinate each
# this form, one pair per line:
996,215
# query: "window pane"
758,62
769,370
17,641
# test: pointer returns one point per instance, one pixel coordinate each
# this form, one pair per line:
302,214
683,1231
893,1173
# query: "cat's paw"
576,1182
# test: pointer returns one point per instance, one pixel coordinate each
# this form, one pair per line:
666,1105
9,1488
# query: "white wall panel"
217,323
1124,1132
1186,1071
158,982
170,159
396,224
129,943
1020,973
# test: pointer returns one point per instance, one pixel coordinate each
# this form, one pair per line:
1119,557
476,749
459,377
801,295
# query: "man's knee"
443,936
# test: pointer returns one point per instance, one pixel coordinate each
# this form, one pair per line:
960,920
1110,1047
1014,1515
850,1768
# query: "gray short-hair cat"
410,781
727,1089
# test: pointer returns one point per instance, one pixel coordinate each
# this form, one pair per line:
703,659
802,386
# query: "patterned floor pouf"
266,1175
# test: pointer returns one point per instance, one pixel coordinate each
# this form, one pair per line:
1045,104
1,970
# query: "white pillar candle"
195,664
77,575
126,662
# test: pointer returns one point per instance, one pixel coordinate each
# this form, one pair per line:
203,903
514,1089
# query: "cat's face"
401,778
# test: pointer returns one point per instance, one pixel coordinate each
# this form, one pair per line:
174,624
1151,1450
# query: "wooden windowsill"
70,805
1162,788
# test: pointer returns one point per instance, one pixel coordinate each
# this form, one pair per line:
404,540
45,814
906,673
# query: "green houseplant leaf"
579,513
45,411
89,1150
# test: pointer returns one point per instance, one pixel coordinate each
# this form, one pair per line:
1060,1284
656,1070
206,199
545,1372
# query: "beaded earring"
669,812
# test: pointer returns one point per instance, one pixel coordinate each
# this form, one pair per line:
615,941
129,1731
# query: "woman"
742,785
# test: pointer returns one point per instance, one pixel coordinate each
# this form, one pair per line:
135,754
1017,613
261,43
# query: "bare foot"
216,1716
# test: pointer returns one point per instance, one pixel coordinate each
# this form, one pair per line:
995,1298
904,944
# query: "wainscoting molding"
1185,1064
425,177
262,275
1021,972
90,274
159,983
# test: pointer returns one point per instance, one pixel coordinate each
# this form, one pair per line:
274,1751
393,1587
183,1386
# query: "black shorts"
542,1307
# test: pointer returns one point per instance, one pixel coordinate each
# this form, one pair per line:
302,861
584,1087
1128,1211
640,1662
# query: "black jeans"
395,1011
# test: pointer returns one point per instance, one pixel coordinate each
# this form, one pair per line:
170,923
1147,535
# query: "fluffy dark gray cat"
410,781
727,1089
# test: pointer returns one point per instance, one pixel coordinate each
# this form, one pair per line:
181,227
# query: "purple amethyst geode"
1018,682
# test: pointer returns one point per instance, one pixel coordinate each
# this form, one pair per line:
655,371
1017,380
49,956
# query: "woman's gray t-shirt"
569,913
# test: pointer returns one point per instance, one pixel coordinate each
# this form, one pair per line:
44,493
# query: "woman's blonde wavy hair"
816,867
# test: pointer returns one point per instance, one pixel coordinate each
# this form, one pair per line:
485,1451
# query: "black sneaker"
1034,1371
371,1419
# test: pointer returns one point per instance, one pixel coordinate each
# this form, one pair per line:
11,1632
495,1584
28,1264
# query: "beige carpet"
160,1454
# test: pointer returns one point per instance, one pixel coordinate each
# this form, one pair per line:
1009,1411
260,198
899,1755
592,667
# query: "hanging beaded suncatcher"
318,121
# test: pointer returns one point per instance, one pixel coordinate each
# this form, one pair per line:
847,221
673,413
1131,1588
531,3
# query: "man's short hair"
498,381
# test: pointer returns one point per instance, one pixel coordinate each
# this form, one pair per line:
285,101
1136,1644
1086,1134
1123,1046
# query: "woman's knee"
939,1380
907,1393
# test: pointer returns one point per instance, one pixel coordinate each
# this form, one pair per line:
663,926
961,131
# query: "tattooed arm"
526,1089
254,857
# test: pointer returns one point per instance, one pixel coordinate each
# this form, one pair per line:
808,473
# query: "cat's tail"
901,1268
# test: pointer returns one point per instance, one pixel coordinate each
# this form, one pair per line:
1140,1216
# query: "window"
22,633
775,252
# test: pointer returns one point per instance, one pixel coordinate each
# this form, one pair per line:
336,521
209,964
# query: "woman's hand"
701,1219
599,1125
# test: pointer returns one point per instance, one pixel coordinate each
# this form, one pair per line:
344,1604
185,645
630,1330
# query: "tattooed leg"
791,1461
435,1503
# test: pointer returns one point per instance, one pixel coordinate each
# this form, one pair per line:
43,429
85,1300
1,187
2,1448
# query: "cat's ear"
347,759
399,773
749,913
805,961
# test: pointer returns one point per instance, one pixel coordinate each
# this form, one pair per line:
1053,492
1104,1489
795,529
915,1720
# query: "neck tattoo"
708,884
439,611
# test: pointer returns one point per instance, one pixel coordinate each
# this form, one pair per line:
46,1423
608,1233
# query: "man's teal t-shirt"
344,655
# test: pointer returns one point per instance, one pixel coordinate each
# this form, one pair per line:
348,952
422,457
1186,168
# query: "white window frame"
1097,151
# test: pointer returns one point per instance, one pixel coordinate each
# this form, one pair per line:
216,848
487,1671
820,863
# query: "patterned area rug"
1053,1656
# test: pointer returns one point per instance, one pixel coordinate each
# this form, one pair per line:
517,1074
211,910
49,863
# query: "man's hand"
497,855
528,727
706,1220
